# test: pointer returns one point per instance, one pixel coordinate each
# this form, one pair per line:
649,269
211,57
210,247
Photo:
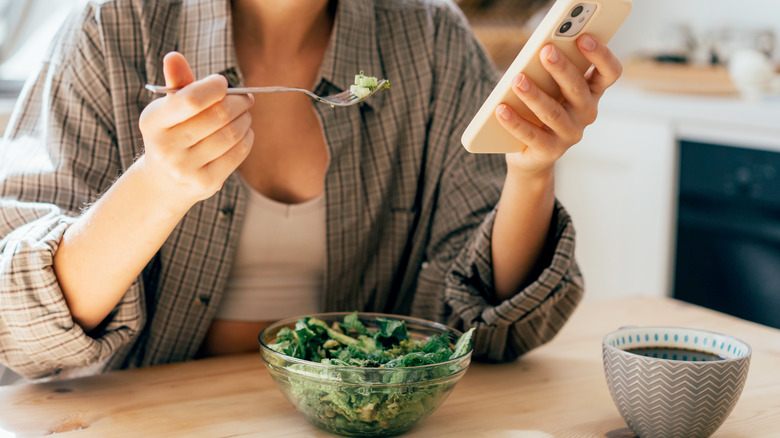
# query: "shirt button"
202,300
232,76
425,265
225,213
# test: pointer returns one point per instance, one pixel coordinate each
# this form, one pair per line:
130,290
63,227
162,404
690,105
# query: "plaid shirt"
409,211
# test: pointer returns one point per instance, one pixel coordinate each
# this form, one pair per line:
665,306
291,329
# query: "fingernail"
551,53
587,42
503,112
251,98
521,82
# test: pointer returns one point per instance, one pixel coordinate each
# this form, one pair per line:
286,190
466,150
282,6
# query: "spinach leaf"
391,332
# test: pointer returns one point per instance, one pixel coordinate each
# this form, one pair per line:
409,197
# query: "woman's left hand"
564,122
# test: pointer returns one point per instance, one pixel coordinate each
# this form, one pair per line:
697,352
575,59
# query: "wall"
6,107
651,21
4,116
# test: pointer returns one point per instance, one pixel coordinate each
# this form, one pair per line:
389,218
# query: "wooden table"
557,390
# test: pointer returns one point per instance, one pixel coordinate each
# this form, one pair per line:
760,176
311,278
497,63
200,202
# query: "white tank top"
279,263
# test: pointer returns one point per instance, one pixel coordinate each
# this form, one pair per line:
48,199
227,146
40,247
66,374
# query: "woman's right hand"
194,138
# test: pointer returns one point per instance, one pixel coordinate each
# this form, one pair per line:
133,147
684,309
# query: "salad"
411,377
365,85
350,343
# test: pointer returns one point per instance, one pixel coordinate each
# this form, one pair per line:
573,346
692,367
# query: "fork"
345,98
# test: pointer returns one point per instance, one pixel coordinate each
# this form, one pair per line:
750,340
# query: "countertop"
556,390
712,110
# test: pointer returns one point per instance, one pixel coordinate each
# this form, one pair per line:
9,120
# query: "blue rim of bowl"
431,324
747,354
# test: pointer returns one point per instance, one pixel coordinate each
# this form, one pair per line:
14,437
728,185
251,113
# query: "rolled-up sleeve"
510,328
57,156
38,337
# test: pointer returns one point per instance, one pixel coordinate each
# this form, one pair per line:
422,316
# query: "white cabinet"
618,185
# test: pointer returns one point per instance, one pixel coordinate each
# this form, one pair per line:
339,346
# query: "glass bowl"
364,401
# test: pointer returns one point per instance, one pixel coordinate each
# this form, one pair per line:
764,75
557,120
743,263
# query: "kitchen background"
673,190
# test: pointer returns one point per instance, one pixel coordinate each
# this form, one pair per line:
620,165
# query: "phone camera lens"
576,11
565,27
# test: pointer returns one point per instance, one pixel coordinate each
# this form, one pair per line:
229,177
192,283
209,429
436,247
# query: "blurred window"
26,28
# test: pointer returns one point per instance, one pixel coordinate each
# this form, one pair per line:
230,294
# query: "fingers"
579,89
571,81
207,122
607,66
218,143
567,118
195,137
559,126
191,100
559,119
177,71
200,109
529,133
229,161
553,115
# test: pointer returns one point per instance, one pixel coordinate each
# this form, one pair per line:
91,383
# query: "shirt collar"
207,44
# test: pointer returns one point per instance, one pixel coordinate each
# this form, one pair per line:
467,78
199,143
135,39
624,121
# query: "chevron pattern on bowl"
669,398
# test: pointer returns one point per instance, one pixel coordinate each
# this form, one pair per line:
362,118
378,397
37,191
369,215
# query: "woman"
128,243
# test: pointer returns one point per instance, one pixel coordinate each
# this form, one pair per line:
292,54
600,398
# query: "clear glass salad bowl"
359,400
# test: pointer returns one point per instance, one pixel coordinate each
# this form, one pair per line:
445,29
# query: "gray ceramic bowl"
686,388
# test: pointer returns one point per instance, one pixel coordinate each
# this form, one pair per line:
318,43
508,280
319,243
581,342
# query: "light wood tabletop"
556,390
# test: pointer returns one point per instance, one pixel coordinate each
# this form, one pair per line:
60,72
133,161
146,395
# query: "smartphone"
565,21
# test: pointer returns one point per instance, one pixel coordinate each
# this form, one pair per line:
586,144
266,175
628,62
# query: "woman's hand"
194,138
565,122
528,198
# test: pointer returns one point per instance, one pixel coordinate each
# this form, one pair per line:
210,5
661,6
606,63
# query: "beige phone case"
485,134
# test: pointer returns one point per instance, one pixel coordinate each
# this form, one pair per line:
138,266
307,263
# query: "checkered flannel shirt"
409,211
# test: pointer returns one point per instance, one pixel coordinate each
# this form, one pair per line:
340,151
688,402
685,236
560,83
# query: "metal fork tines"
345,98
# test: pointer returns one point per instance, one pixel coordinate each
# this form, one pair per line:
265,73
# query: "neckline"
313,204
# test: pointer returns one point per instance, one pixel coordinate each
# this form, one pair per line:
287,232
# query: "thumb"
177,71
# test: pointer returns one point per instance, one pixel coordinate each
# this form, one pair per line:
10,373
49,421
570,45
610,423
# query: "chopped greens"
365,85
350,343
385,394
